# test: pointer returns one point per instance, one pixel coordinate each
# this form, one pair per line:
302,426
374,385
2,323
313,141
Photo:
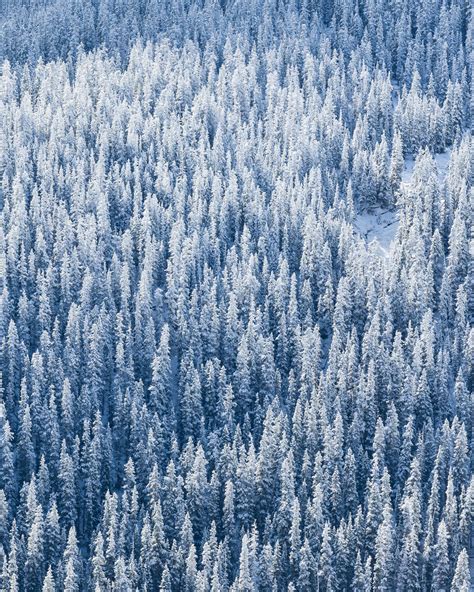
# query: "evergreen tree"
462,577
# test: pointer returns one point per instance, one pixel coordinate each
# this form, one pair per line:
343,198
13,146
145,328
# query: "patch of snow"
408,170
441,160
378,226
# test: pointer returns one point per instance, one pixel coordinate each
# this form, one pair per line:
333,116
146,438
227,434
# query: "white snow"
407,171
380,226
441,160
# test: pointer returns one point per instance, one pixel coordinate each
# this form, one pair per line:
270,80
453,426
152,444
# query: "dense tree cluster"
210,381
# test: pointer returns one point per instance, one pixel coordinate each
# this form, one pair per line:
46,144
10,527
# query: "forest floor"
442,162
380,225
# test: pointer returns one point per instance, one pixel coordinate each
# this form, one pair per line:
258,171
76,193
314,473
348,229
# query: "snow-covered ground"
441,160
379,226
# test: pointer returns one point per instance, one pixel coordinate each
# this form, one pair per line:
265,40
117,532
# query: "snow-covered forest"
237,295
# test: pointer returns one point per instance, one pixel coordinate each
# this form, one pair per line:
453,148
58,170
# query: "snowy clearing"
442,163
380,226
